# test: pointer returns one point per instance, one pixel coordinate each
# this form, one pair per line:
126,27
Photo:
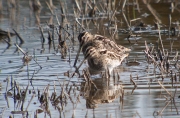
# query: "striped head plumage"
84,37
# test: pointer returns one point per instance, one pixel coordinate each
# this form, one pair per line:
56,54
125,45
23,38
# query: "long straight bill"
77,56
76,71
80,64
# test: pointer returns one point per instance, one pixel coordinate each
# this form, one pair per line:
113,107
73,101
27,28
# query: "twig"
165,89
160,37
162,70
79,24
41,30
20,38
30,101
27,55
50,8
135,86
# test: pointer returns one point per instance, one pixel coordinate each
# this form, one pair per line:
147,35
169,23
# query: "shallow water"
145,101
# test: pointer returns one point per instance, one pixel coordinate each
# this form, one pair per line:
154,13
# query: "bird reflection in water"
101,90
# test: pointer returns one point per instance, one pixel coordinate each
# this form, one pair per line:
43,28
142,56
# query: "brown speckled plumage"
101,52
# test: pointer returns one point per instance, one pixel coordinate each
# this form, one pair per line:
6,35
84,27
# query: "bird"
102,59
99,42
100,52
